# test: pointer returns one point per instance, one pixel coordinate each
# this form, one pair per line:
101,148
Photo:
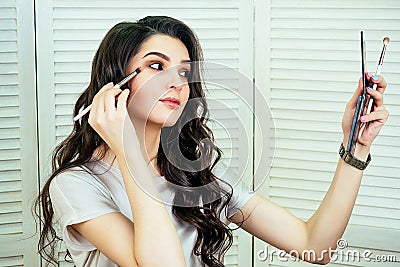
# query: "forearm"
155,235
328,223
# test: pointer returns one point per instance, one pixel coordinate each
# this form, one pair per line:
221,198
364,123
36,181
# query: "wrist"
361,152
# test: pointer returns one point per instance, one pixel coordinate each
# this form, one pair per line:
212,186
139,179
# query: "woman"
96,190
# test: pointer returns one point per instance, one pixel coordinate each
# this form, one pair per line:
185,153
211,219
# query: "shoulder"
90,175
75,178
79,185
78,194
233,182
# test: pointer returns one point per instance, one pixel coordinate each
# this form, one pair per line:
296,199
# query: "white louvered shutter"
70,32
312,59
18,160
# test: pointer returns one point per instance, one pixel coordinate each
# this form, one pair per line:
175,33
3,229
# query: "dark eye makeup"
159,66
156,65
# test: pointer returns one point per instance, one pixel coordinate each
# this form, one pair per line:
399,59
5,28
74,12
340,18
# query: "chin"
166,118
163,120
170,121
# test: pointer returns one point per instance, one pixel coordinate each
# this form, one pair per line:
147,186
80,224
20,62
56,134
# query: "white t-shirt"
81,194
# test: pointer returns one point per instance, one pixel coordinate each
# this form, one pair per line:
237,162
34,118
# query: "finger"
109,98
380,115
122,99
380,82
97,106
99,98
97,102
377,96
353,101
96,109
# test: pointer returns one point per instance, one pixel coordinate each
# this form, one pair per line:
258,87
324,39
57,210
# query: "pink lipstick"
171,102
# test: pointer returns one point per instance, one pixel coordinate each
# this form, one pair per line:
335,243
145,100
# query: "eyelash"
160,67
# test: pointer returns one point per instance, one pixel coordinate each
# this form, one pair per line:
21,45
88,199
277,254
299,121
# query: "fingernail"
363,119
368,75
375,78
110,83
370,89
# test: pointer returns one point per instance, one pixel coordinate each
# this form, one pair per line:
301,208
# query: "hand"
108,120
371,123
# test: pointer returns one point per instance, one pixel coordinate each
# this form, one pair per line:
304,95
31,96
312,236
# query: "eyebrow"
163,56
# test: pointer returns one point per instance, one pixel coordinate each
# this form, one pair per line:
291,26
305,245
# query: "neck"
149,137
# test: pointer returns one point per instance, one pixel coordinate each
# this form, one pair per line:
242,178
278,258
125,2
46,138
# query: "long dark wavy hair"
119,45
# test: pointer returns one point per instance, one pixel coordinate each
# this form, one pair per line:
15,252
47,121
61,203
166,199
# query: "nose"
175,81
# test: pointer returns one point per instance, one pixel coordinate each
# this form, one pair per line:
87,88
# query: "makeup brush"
386,40
118,85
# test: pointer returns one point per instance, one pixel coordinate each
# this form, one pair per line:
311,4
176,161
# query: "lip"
171,102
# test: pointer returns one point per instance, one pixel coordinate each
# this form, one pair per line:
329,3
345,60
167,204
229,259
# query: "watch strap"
353,161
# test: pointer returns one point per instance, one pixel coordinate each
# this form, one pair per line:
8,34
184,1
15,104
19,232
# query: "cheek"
144,100
141,104
142,93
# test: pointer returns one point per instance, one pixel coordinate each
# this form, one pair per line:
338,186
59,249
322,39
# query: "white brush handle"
87,109
118,85
83,113
371,101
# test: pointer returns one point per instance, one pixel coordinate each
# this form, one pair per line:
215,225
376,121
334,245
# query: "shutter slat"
122,12
10,165
335,13
7,35
7,47
11,207
9,154
9,101
10,197
10,176
311,4
309,23
12,260
143,4
8,112
10,228
9,122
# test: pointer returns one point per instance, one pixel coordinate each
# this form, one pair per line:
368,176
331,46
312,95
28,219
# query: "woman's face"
160,91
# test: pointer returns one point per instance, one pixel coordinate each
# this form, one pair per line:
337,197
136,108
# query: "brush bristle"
386,40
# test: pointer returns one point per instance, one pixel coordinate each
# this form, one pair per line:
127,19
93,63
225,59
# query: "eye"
184,73
156,66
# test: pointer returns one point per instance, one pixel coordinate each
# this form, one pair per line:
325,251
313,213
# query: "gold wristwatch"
353,161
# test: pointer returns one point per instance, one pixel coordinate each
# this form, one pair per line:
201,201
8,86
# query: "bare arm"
113,235
153,230
277,226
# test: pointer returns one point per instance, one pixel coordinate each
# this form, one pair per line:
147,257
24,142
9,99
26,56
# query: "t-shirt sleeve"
241,194
77,196
241,191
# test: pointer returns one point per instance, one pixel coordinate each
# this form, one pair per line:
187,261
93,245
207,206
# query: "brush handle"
371,101
83,113
88,108
118,85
